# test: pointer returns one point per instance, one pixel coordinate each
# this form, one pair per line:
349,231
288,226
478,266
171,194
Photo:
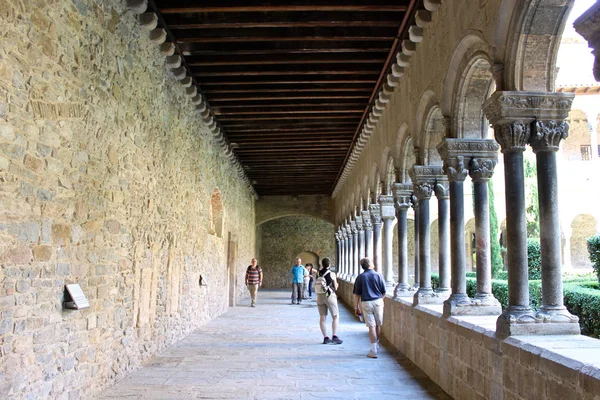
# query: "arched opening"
434,134
583,226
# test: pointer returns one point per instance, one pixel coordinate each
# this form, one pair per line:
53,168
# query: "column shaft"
377,253
388,227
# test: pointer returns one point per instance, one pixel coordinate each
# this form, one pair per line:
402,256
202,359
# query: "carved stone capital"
482,169
455,169
512,136
546,135
588,26
442,189
366,217
402,194
425,173
353,229
387,206
359,223
414,202
423,190
375,210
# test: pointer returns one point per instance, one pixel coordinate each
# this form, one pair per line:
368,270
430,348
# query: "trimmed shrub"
593,245
534,259
583,301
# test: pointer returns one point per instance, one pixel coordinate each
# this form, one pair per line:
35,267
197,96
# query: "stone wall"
466,358
106,177
283,239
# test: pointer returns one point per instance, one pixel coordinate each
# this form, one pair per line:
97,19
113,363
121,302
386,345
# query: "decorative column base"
526,322
426,296
403,290
457,304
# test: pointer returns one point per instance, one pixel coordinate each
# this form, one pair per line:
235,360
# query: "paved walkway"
274,351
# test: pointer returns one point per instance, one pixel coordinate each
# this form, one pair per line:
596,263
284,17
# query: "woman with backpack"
325,287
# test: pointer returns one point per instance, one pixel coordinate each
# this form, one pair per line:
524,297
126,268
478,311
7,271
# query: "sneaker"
372,354
336,340
293,302
326,340
252,305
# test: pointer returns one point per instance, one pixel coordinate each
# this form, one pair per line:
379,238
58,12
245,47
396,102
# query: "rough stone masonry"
106,176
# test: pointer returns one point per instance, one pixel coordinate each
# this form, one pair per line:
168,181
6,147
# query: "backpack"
321,286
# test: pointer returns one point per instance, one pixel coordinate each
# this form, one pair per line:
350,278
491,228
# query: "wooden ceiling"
289,82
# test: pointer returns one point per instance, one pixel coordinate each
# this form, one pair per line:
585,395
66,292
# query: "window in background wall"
586,152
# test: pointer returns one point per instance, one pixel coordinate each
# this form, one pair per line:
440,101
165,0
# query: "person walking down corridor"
325,286
298,272
254,277
369,291
308,280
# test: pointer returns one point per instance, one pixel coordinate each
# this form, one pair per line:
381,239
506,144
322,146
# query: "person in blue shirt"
369,291
298,273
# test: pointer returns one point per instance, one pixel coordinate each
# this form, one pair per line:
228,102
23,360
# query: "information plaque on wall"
75,298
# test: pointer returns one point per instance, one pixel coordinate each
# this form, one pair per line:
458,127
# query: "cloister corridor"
274,351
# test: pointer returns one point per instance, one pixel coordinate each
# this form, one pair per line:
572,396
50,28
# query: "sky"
575,59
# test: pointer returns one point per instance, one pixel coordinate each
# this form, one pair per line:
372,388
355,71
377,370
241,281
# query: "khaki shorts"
327,303
372,312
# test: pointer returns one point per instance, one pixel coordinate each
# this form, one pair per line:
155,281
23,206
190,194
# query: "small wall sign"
75,298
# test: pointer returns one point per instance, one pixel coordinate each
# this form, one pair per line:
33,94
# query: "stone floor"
274,351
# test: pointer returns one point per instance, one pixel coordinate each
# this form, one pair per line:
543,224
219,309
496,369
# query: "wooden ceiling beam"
214,7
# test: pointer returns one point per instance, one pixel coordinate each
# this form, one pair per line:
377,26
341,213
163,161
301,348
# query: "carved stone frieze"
375,210
426,173
387,206
402,194
504,107
546,135
482,169
512,136
366,217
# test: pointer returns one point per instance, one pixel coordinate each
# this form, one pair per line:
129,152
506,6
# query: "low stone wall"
468,361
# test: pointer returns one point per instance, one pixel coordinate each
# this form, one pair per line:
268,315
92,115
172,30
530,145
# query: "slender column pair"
478,158
353,251
368,224
402,195
424,181
387,215
375,210
360,248
520,118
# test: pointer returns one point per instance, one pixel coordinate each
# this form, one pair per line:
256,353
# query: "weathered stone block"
61,234
33,163
42,253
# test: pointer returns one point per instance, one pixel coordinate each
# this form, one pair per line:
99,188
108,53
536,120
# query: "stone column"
442,193
587,26
355,260
455,168
481,169
388,214
402,194
337,250
423,178
511,114
547,132
344,267
415,206
368,223
348,252
376,220
361,238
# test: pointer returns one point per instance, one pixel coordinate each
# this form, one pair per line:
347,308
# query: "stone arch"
408,159
469,83
427,103
366,193
583,226
433,134
401,138
532,36
215,214
309,257
390,175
